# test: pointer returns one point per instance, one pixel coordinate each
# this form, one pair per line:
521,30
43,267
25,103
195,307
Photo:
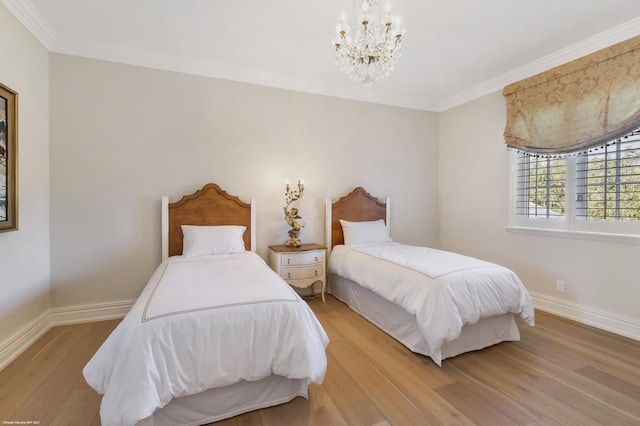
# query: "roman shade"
573,107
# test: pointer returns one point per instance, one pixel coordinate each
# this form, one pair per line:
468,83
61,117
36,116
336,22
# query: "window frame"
569,225
606,163
533,162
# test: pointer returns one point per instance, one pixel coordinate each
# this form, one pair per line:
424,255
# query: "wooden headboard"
208,206
357,206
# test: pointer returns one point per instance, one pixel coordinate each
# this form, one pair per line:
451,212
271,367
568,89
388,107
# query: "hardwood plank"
324,409
571,389
317,410
389,353
546,343
96,420
82,403
33,371
616,383
561,372
353,404
590,389
474,408
495,370
615,350
502,402
45,402
80,408
17,367
414,376
392,403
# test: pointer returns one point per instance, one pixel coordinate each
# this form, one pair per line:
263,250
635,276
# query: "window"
608,181
541,185
593,191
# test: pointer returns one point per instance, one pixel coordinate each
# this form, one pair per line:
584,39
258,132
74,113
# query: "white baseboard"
19,342
89,313
583,314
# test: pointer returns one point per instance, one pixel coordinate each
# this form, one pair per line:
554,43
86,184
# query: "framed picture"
8,159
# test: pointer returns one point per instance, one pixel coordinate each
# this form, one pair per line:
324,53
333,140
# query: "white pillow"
207,240
365,232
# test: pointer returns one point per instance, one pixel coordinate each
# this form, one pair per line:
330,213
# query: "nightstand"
300,266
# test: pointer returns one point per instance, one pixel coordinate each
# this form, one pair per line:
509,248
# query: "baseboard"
89,313
19,342
583,314
15,345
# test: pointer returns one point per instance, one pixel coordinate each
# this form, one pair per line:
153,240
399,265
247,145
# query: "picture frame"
8,159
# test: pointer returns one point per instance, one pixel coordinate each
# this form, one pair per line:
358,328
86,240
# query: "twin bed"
214,333
437,303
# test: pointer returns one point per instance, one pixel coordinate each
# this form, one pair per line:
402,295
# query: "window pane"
540,186
608,181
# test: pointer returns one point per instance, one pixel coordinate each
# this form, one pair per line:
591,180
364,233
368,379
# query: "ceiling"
453,51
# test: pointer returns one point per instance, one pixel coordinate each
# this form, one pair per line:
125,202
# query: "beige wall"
601,277
122,136
24,254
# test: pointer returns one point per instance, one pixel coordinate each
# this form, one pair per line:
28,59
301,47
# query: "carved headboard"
208,206
357,206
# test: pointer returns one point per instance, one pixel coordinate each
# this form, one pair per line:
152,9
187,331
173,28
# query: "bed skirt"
402,326
223,403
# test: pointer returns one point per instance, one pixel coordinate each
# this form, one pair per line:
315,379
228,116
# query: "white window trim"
569,226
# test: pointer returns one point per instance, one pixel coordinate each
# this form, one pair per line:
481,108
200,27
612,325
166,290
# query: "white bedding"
202,323
444,290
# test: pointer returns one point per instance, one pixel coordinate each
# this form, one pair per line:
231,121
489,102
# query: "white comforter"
202,323
444,290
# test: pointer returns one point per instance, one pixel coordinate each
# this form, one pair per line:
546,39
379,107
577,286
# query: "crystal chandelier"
371,53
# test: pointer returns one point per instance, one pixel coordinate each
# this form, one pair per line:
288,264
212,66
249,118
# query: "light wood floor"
560,373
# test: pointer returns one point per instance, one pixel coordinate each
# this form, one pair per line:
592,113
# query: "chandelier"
371,53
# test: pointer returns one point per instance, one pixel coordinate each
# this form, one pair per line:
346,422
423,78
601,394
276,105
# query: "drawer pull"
288,261
317,258
289,274
316,272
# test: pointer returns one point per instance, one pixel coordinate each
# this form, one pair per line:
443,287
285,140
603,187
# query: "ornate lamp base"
293,240
292,215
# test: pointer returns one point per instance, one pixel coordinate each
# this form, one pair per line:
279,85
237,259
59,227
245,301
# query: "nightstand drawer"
300,272
292,259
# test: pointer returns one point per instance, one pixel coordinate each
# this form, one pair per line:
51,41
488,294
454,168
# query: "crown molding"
161,61
29,16
604,39
33,21
157,60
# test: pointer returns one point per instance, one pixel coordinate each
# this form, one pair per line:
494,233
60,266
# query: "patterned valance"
578,105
